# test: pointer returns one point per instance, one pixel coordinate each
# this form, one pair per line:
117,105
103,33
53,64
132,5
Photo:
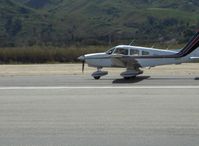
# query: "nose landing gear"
98,74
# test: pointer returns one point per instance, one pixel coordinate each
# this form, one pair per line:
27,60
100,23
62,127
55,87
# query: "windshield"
110,51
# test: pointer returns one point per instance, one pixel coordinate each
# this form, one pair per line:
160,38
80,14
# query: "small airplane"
133,58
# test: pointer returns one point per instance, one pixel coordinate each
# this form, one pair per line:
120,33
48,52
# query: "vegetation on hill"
69,22
39,31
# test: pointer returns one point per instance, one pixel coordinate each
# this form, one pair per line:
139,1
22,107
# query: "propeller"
83,65
82,58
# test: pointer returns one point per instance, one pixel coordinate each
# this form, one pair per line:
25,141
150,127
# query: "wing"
125,61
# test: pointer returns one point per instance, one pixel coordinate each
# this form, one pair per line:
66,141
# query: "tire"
128,78
97,78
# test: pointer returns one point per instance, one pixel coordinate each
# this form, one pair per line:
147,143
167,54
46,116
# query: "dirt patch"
75,69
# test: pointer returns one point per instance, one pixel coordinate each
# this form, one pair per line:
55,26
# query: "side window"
134,52
145,53
121,51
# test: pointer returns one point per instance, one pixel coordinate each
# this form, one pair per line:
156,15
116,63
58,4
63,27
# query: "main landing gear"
98,74
128,74
131,74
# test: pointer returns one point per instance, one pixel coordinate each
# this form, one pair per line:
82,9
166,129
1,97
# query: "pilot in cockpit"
121,51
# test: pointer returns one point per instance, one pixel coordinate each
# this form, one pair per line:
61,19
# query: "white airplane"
133,58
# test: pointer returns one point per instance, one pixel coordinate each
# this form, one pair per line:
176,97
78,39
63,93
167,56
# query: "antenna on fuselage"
132,42
153,46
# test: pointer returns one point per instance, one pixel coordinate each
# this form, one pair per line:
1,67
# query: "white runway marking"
96,87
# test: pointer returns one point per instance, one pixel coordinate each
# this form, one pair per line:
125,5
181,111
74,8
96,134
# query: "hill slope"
65,22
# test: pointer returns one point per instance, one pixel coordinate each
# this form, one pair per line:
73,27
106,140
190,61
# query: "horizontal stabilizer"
194,58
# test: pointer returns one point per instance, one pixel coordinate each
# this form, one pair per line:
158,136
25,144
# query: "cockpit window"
121,51
134,52
109,52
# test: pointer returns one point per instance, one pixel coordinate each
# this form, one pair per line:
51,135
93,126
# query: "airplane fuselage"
101,60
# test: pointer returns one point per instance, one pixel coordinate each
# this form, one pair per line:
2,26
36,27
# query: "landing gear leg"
98,74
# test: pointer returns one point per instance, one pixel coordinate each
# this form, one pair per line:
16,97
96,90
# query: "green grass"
173,13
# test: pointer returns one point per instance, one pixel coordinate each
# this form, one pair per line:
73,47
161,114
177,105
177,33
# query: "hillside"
68,22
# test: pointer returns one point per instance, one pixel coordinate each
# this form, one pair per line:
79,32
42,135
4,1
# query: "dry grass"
28,55
45,54
75,69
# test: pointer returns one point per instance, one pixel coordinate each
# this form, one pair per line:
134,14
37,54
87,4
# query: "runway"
88,81
75,110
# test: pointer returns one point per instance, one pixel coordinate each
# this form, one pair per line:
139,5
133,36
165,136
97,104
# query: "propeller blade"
82,58
83,66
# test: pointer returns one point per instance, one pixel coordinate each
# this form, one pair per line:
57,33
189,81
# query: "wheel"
97,77
128,78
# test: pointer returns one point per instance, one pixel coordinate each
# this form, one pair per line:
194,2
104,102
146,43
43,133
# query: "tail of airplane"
191,46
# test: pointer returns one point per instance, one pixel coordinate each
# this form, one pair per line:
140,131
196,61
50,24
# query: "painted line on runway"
96,87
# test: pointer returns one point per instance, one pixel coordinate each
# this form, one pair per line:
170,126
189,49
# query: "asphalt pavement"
75,110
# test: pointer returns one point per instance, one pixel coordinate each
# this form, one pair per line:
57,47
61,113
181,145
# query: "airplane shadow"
174,78
196,78
130,81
